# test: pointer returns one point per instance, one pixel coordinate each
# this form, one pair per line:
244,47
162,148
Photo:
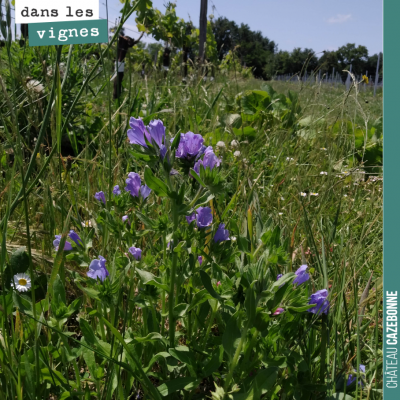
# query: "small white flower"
289,159
302,194
86,224
221,144
323,173
245,142
237,153
280,213
323,148
22,282
245,160
233,238
345,195
345,173
313,194
282,199
234,143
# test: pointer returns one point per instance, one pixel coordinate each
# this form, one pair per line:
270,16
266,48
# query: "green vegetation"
176,310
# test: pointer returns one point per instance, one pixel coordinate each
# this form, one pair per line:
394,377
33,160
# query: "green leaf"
176,384
199,298
19,261
300,309
261,321
148,222
59,291
197,177
186,356
180,310
149,338
175,142
283,279
208,285
159,187
87,331
149,279
159,356
250,304
231,337
214,363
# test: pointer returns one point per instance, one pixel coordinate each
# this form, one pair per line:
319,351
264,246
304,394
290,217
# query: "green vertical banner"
68,32
391,196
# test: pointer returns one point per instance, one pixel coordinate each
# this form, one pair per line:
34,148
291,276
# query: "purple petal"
100,196
133,183
75,237
157,131
222,234
145,191
191,218
136,252
204,217
136,134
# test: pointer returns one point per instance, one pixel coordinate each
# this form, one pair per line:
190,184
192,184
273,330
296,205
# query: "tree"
352,55
253,49
370,65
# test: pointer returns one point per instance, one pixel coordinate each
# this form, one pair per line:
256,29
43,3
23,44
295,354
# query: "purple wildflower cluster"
320,298
97,269
68,246
203,217
134,186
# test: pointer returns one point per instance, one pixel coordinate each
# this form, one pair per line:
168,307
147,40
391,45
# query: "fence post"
377,74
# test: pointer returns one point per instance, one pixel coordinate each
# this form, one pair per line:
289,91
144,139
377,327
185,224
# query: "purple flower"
56,243
222,234
204,217
279,277
163,151
117,190
210,160
191,218
352,378
320,299
100,196
124,218
145,191
169,244
278,311
75,237
133,183
189,145
97,269
136,134
136,252
157,132
200,259
302,275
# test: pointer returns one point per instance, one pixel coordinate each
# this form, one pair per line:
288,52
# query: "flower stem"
171,301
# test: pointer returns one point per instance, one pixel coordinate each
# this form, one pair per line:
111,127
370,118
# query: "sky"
316,24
